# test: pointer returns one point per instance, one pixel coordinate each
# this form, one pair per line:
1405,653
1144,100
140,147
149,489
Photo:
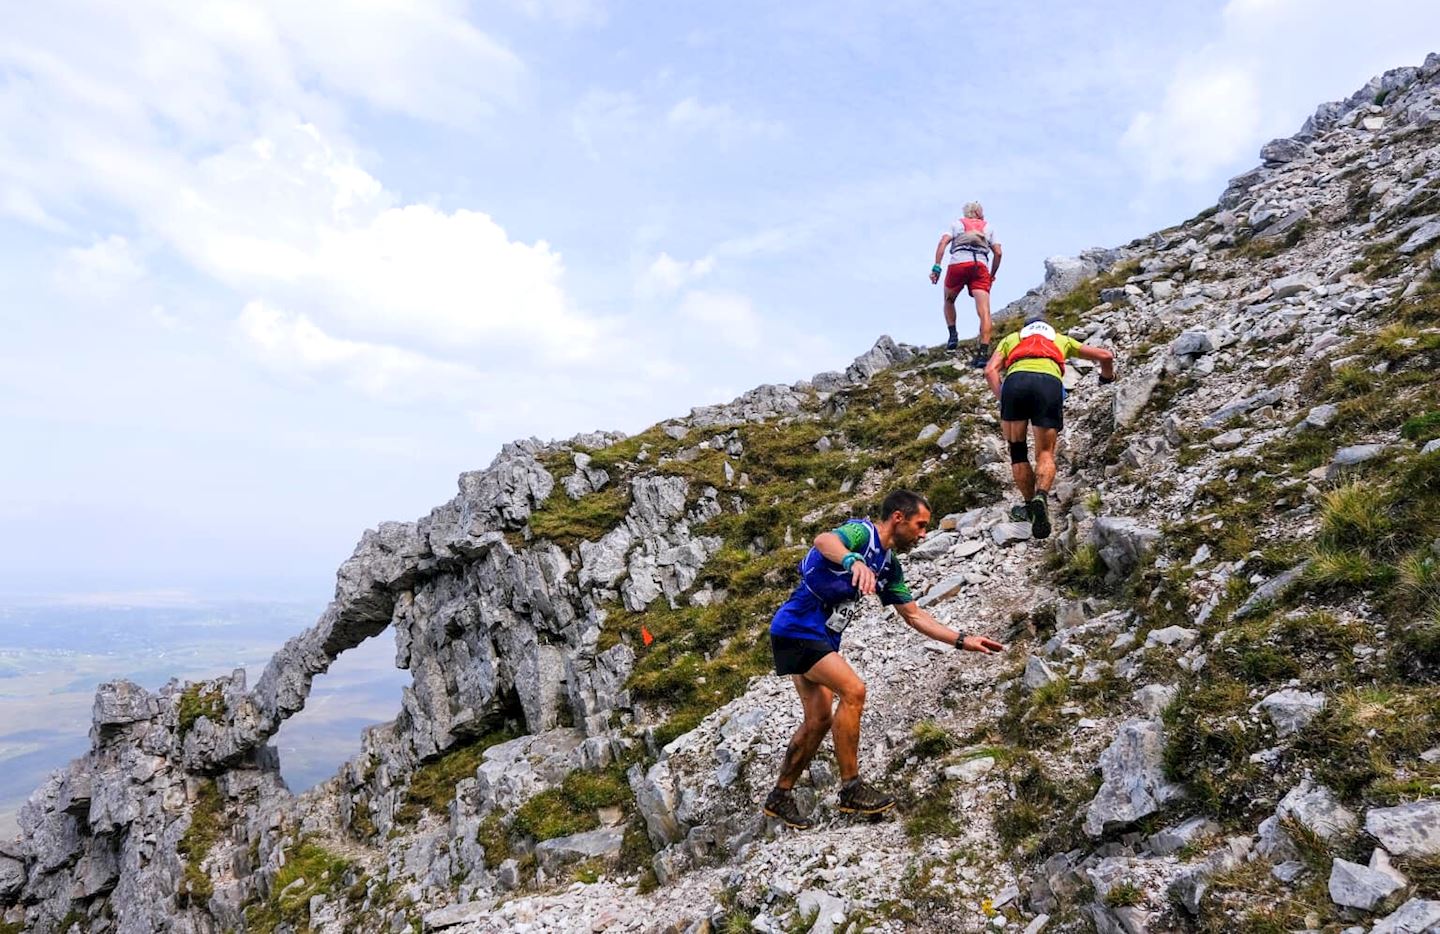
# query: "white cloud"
293,345
102,270
1272,62
724,317
720,119
566,12
667,275
1209,118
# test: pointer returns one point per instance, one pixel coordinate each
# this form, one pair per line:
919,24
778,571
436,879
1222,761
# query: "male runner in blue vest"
855,560
1031,363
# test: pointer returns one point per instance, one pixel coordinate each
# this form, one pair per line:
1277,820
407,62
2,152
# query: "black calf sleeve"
1019,452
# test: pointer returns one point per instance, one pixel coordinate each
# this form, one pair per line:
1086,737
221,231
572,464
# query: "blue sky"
272,272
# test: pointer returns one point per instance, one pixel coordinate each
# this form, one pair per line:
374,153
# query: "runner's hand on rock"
980,644
862,578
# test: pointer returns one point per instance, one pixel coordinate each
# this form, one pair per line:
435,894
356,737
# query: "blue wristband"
935,270
848,560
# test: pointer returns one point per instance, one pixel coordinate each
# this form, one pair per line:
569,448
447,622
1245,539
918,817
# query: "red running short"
974,275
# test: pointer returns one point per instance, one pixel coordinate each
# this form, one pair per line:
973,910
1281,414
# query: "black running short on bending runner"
797,656
1037,398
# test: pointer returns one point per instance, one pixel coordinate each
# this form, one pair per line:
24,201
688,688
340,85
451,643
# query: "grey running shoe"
1020,512
857,797
780,804
952,343
1039,518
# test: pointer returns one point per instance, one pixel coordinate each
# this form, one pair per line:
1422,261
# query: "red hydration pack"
1037,339
974,234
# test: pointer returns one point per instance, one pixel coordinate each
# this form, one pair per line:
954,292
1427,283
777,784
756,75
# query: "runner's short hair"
906,502
974,209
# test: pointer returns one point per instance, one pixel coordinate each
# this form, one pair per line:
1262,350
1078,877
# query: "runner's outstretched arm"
927,625
1100,355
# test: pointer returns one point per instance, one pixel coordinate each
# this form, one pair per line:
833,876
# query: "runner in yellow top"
1031,362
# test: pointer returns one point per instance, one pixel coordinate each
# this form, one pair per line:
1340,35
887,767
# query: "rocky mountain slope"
1219,709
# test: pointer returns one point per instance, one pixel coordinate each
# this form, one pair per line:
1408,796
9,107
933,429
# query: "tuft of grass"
203,699
566,521
1208,746
1362,734
1356,515
196,887
1421,428
932,816
310,869
1124,895
931,739
432,786
1069,310
550,814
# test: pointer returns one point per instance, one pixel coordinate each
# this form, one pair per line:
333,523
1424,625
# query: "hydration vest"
1037,339
972,240
830,582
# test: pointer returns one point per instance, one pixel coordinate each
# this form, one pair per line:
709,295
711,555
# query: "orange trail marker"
645,635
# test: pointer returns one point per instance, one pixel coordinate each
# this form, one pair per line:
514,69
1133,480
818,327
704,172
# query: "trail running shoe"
952,343
1039,518
859,798
1020,512
781,806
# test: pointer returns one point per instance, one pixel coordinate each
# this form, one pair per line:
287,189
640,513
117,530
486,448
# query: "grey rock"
1283,226
1291,710
825,908
948,439
885,354
454,915
1192,343
1154,698
1421,238
1407,830
934,546
1417,916
1296,284
942,591
1280,151
1355,886
1134,780
928,432
1352,456
1008,533
1243,405
1430,447
1288,871
969,548
1228,441
1131,397
970,771
1172,637
592,844
1271,590
119,703
1190,886
1123,544
1038,673
1317,808
655,798
1320,417
1172,839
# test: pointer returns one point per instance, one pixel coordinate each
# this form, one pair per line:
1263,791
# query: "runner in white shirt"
969,243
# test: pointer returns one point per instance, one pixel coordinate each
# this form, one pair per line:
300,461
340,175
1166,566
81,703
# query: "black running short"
797,656
1037,398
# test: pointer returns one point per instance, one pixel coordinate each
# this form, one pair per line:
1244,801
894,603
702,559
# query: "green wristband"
935,270
848,560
